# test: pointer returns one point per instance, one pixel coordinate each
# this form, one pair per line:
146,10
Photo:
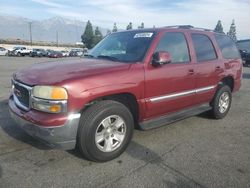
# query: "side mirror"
161,58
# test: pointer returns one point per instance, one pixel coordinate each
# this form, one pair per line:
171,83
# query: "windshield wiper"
108,57
88,55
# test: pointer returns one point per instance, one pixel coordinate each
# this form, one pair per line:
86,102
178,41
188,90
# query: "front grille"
22,95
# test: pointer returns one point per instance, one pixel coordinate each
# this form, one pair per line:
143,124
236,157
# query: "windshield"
244,45
123,46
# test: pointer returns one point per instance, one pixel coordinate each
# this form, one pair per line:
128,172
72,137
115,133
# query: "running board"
171,118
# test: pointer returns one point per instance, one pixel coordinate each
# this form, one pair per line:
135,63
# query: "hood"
56,73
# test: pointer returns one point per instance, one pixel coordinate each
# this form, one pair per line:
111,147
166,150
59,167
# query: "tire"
19,54
92,127
221,102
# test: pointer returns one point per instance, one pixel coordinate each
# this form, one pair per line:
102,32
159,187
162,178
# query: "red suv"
145,78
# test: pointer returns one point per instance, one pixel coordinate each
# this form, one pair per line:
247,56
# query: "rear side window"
204,48
227,47
176,45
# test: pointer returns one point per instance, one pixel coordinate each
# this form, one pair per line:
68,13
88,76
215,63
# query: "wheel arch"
229,81
127,99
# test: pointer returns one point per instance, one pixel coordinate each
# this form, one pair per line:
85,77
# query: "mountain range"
67,30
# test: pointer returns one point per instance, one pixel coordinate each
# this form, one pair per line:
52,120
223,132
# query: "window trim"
177,62
207,60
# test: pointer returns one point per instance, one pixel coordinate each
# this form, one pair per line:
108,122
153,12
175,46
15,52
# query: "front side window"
124,46
204,48
176,45
227,47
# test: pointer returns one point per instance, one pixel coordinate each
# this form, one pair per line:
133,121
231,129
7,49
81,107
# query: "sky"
103,13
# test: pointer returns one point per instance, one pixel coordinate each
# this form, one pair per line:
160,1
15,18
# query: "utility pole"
57,38
30,23
77,36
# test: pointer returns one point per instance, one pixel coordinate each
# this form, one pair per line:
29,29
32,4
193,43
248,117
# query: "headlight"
49,99
49,92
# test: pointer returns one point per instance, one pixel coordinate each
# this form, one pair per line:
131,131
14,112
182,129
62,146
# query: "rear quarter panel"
230,67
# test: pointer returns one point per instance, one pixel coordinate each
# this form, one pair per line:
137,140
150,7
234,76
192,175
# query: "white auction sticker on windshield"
143,35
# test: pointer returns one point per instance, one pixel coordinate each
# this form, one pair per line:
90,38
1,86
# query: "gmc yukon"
142,78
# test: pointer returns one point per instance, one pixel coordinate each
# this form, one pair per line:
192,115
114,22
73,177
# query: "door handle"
218,68
191,71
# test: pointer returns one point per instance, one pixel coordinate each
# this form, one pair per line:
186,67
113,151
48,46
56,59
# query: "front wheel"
105,130
221,102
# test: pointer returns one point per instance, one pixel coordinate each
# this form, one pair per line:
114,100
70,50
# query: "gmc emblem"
18,93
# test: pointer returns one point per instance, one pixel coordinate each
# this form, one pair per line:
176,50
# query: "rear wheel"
105,130
221,102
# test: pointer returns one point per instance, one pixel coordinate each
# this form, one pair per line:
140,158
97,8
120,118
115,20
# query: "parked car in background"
3,51
48,52
55,54
72,53
244,47
11,52
76,52
37,52
146,78
65,53
86,50
22,51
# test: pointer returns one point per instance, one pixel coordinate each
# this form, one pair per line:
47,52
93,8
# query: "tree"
108,32
232,31
98,32
97,37
114,28
141,26
88,35
129,26
218,28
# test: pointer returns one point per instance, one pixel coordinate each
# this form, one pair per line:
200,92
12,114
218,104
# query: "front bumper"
60,137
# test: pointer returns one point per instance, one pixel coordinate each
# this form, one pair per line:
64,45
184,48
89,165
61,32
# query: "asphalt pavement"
195,152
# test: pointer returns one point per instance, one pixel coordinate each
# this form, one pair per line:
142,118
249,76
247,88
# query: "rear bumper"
60,137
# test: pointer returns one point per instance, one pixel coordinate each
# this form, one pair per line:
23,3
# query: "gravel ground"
195,152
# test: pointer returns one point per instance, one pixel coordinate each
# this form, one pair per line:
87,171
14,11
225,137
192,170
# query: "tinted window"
227,47
203,47
176,45
244,45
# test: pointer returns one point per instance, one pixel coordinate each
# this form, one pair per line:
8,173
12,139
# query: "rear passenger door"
207,67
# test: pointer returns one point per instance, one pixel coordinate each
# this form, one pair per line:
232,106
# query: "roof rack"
188,27
181,26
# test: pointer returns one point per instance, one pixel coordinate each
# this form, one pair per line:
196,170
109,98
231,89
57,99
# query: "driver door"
170,87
